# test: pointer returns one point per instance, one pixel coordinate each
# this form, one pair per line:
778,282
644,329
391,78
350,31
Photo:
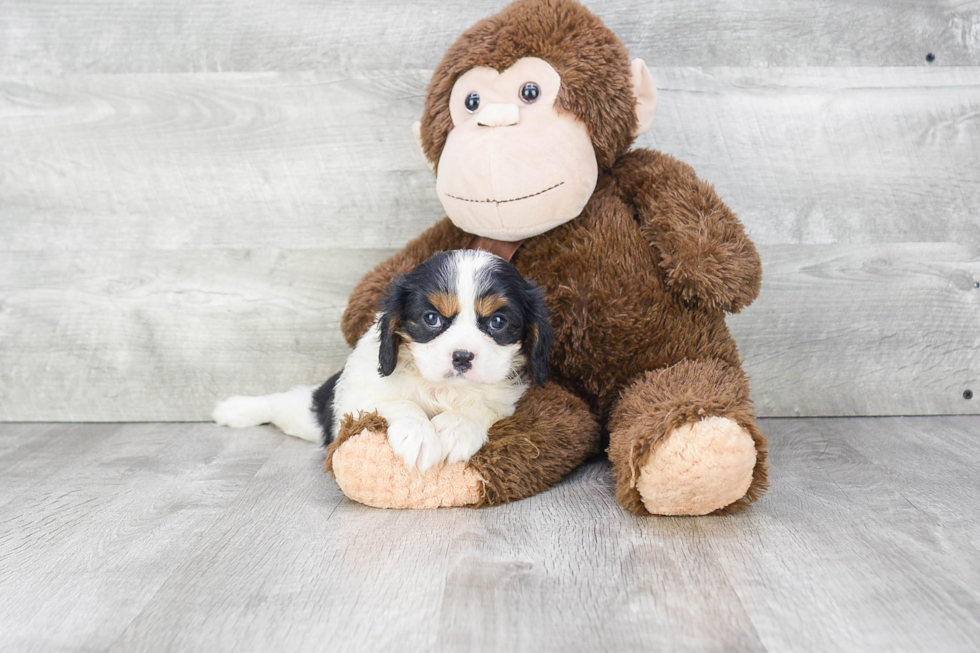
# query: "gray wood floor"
188,537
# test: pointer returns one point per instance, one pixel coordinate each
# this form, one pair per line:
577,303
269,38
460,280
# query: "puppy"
457,342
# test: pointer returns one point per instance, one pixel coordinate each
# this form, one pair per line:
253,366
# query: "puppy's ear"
392,307
390,341
538,336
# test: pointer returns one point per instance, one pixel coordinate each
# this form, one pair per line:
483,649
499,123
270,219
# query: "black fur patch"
323,406
526,315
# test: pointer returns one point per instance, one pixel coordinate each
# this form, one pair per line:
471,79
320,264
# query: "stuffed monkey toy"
528,125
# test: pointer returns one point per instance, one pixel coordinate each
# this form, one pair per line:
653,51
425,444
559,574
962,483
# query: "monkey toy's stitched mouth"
513,199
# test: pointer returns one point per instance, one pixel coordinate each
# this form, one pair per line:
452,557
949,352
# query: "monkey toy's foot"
369,472
683,441
697,468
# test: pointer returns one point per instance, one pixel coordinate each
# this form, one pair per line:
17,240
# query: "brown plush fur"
704,250
662,400
637,285
550,434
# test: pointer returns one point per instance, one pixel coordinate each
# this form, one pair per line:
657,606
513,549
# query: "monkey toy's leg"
683,441
551,433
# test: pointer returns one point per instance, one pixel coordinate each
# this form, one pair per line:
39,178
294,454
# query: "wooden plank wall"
189,189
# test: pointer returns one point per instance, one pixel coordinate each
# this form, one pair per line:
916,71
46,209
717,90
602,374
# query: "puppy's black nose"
462,359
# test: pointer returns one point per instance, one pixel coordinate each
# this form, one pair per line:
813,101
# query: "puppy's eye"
472,102
432,319
497,323
530,93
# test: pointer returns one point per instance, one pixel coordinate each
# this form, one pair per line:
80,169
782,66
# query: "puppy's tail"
292,412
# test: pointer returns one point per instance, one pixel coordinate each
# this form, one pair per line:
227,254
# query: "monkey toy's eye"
530,93
432,320
472,102
497,323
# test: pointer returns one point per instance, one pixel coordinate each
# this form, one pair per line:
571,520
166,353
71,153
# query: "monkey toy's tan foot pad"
369,472
697,468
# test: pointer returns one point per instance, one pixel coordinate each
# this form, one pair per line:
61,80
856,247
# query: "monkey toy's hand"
368,471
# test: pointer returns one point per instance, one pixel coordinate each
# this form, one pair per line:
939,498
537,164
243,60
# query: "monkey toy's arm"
551,433
708,259
362,305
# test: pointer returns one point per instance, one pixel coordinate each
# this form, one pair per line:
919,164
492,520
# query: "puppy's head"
466,316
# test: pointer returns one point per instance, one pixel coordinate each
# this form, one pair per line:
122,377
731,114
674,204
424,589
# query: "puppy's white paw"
415,441
240,411
460,436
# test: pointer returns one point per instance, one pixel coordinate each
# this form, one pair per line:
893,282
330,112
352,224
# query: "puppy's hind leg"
291,411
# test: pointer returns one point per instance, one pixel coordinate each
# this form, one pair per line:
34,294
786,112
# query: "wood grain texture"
193,537
887,329
114,36
114,514
201,161
847,535
328,161
131,335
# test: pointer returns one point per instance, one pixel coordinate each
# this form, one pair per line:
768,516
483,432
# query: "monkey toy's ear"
538,337
392,308
645,92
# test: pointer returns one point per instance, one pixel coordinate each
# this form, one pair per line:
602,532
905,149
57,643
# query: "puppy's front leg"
461,435
411,435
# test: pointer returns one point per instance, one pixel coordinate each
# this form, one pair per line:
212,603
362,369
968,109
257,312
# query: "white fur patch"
290,411
459,436
415,441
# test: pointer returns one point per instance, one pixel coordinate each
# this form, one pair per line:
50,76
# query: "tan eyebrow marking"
445,303
490,304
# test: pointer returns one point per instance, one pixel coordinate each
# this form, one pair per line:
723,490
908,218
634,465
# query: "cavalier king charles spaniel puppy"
457,342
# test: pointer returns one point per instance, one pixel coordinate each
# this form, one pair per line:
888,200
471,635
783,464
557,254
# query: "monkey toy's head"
525,111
